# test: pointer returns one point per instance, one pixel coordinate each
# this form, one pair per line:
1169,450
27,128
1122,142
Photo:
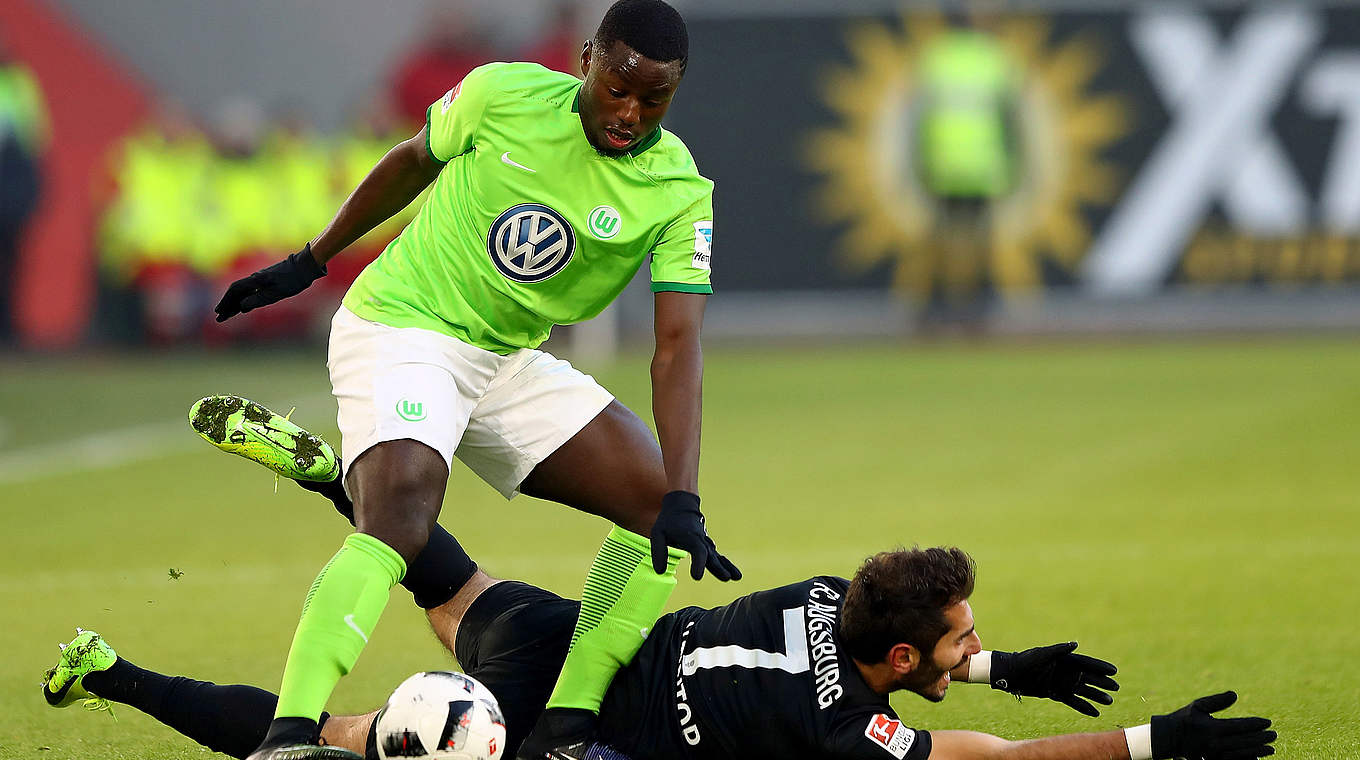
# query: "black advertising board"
1159,146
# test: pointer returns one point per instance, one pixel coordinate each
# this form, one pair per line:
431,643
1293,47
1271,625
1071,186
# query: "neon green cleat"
87,652
240,426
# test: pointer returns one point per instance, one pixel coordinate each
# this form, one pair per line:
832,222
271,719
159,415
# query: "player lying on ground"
803,670
547,193
800,671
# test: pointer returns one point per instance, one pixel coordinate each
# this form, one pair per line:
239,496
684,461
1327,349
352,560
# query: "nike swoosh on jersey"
505,159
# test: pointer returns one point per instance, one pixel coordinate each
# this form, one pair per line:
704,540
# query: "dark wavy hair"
650,27
900,597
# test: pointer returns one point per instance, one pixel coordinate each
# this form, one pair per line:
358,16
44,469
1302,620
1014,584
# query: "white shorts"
501,415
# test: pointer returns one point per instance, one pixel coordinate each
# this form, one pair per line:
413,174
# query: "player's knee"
405,536
400,507
642,512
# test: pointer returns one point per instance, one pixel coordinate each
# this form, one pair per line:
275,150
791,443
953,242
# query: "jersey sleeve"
681,257
451,122
876,736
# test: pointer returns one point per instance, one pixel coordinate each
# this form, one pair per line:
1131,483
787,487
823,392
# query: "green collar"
637,150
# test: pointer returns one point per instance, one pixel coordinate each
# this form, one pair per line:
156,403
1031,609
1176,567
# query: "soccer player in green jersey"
548,195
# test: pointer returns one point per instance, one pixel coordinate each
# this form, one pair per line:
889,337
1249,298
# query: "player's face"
930,679
624,97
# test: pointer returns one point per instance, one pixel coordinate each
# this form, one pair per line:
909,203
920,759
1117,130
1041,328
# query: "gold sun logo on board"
867,161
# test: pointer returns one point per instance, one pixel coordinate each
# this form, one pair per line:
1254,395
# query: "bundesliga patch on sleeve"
703,245
890,734
449,97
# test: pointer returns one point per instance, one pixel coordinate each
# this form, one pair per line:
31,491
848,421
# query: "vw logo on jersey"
530,242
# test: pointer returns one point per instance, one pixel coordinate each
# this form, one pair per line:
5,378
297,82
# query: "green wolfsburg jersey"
527,226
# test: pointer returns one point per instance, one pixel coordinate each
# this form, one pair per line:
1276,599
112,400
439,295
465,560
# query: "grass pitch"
1187,510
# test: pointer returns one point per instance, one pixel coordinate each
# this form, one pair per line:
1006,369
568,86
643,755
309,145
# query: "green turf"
1187,510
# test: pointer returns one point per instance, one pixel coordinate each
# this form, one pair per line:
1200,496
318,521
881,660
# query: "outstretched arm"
397,179
1191,731
972,745
389,187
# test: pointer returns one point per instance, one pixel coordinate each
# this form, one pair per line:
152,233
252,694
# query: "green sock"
340,613
622,598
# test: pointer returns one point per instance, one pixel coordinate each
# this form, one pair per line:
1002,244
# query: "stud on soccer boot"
242,427
86,653
304,752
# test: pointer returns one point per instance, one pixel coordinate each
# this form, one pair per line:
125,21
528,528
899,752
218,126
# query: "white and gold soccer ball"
441,715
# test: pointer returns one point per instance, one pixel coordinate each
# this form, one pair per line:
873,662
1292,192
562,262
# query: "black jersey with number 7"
763,677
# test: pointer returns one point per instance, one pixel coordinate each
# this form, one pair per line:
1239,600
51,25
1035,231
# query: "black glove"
1194,732
681,525
1055,672
273,283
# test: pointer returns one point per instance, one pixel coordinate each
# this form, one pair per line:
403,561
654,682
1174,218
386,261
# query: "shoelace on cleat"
98,704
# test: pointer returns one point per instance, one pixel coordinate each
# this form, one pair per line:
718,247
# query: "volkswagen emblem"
530,242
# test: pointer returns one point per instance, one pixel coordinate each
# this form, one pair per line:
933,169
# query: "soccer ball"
441,715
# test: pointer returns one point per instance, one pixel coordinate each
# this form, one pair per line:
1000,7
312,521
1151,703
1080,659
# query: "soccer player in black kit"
799,671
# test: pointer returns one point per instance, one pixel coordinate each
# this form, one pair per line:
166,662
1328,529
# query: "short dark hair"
900,597
651,27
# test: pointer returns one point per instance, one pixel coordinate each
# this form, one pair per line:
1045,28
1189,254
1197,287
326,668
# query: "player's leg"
352,732
231,719
446,619
567,440
277,443
612,468
622,595
404,400
397,487
512,637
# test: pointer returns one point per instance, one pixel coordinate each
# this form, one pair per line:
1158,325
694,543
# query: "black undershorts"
514,639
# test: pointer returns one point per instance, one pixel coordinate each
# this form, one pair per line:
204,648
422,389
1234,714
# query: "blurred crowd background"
882,168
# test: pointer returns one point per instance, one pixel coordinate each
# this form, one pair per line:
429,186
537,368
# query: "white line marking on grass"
103,450
95,451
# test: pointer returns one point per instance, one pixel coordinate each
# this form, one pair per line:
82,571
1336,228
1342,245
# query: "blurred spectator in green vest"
151,226
300,159
23,139
247,183
239,214
159,176
966,155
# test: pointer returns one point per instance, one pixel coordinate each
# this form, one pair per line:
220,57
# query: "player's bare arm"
972,745
397,179
393,183
1192,731
677,401
677,385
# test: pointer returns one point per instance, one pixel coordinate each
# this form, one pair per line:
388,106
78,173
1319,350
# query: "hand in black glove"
273,283
681,525
1193,731
1055,672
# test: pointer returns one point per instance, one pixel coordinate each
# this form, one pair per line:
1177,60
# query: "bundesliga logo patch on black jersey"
889,733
